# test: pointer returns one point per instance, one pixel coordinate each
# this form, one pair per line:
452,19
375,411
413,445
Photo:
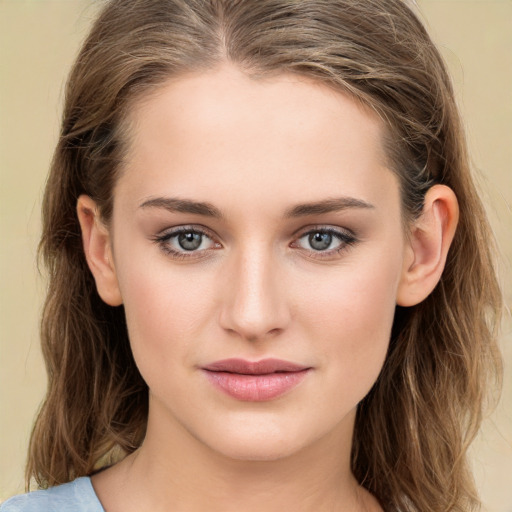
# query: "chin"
257,450
262,439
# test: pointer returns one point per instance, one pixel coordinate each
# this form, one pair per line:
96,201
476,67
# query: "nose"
254,305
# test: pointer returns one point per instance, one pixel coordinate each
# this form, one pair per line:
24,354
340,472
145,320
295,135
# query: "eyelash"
164,239
346,238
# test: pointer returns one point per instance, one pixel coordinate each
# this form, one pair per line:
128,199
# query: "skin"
256,288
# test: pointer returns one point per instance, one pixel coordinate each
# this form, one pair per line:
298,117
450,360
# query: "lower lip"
256,388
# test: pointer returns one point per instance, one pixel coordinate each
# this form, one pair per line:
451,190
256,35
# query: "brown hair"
413,429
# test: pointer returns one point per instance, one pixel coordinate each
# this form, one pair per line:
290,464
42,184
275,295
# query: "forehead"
202,130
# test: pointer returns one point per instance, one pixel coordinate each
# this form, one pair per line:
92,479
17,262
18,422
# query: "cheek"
165,309
351,317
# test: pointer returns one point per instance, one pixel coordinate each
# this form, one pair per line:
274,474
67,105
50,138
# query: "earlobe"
429,241
96,241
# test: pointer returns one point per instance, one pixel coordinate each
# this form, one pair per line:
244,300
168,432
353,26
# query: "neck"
173,471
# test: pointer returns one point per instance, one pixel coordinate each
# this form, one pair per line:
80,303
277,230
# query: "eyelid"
326,228
163,237
346,237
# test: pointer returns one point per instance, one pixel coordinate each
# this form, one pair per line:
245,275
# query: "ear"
429,240
98,250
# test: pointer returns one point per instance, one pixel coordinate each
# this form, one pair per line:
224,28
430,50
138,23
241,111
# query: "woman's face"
256,220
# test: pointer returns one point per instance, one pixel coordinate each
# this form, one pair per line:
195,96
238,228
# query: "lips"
263,367
255,381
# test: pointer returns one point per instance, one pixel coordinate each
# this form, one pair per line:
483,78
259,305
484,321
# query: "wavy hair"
413,429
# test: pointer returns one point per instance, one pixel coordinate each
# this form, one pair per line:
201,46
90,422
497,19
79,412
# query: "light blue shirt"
76,496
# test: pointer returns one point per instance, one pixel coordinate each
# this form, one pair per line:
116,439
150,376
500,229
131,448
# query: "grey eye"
190,241
320,241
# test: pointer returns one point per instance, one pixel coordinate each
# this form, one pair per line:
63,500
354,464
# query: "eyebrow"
337,204
327,206
173,204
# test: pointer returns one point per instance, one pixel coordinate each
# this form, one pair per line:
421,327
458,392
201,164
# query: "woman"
270,278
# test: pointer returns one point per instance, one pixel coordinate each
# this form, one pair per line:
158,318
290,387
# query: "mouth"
255,381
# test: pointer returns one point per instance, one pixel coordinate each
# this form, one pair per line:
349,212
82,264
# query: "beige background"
38,39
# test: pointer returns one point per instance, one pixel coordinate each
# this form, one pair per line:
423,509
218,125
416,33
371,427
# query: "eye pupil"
320,241
190,241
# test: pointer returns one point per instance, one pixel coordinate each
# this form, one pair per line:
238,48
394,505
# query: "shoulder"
78,496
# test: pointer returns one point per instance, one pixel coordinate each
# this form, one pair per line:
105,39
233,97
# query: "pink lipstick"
255,381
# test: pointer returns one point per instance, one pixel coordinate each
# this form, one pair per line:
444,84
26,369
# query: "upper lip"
263,367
